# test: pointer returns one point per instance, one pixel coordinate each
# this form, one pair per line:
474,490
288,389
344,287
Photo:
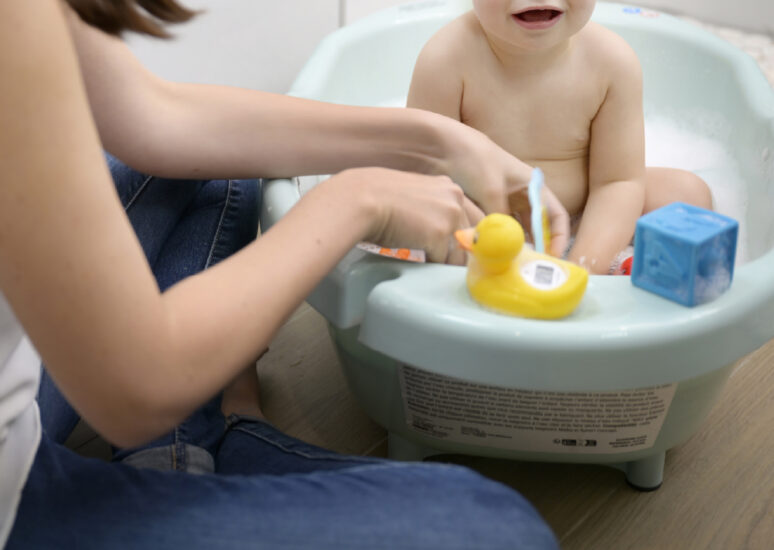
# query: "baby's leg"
664,186
668,185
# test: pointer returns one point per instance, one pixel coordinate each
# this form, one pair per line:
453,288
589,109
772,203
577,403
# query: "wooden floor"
718,490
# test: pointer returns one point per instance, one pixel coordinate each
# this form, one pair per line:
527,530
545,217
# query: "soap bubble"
694,144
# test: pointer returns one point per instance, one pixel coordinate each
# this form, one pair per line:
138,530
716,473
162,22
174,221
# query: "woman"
137,337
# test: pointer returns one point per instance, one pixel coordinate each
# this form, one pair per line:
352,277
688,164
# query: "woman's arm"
205,131
135,362
201,131
616,163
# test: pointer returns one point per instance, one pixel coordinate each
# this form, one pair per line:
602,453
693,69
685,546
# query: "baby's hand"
559,219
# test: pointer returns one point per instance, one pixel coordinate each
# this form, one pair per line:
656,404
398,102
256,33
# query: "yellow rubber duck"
506,276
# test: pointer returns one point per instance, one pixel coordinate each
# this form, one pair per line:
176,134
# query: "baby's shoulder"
607,51
456,39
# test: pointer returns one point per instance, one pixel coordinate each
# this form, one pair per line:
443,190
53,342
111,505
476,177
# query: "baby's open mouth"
538,15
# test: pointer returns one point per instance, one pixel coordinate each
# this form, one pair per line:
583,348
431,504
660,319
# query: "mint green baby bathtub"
625,378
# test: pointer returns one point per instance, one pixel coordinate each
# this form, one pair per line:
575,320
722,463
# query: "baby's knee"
694,189
668,185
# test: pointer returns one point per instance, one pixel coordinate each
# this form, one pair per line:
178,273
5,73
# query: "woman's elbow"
132,422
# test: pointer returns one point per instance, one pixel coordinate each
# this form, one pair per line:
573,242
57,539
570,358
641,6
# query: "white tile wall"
756,15
263,43
355,9
251,43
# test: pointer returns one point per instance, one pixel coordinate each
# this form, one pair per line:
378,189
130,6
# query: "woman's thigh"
184,226
74,502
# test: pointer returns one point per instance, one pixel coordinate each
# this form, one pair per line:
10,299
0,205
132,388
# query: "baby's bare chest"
537,120
545,123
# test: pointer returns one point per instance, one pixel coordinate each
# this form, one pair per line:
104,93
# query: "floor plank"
718,490
82,434
303,391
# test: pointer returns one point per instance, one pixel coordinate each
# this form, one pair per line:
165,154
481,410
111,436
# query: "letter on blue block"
684,253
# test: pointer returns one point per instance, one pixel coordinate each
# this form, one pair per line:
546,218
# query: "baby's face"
533,24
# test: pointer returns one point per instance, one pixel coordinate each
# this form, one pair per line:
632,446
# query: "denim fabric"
74,502
269,490
185,226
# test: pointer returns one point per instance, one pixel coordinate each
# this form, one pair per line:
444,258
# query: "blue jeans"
257,488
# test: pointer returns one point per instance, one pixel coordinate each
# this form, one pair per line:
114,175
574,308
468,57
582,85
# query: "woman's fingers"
470,216
457,256
462,213
473,213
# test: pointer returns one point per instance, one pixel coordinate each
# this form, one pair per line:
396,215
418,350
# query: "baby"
563,94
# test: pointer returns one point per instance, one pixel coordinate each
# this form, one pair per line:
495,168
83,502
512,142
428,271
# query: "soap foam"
698,148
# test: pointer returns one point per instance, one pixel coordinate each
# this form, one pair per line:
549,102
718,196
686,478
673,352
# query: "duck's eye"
475,238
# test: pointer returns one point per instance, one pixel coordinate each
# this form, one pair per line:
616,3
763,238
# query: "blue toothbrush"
536,215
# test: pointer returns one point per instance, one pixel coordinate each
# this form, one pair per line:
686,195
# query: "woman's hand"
408,210
496,180
272,135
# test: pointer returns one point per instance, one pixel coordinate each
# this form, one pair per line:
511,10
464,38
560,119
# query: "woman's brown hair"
142,16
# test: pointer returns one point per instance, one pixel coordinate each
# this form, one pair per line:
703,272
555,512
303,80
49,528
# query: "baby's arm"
616,164
436,84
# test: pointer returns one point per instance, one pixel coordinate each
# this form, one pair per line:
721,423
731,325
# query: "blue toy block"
684,253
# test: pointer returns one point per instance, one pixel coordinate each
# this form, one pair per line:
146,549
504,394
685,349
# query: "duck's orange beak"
465,237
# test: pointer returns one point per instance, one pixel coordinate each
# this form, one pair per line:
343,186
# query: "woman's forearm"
204,131
216,322
200,131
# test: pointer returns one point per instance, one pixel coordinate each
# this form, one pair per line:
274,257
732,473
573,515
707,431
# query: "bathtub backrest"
370,66
719,92
690,75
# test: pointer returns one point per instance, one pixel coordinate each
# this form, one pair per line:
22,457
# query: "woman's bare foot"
242,396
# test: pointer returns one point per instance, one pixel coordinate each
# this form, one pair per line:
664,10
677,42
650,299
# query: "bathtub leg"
399,448
646,474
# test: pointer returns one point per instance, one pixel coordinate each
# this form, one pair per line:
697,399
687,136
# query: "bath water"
691,145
